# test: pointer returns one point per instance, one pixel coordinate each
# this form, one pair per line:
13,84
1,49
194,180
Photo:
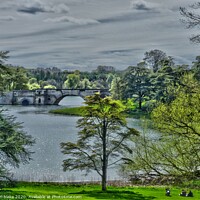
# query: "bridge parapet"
46,96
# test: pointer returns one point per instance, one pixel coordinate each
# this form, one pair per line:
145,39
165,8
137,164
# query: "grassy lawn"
73,111
60,191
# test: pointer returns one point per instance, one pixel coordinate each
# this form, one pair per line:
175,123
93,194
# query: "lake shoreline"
78,111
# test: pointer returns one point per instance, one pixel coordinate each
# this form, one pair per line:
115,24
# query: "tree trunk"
104,164
140,104
140,101
104,179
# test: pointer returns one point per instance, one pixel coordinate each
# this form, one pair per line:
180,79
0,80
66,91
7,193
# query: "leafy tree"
101,139
53,76
33,86
11,78
117,88
164,80
163,155
32,80
175,149
17,80
196,68
104,69
3,69
72,81
155,58
14,144
109,79
160,83
182,115
51,83
3,56
85,84
192,19
97,84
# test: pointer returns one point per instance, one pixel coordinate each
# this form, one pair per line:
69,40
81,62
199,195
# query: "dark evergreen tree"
137,84
14,144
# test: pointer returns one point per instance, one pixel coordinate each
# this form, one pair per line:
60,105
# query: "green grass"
73,111
137,114
78,111
89,192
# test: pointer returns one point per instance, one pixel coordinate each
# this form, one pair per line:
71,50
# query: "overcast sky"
82,34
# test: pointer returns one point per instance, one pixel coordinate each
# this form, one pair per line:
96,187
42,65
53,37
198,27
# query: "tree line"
143,84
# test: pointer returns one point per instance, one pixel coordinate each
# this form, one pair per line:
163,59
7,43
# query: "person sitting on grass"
190,194
167,192
183,193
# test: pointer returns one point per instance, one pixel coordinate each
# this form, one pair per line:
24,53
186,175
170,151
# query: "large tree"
72,81
156,58
117,88
15,79
14,144
174,149
164,80
101,139
3,69
196,68
182,115
137,83
192,19
3,56
11,78
163,155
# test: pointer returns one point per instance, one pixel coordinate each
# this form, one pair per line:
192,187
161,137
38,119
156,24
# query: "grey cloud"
143,5
48,31
36,6
31,10
31,34
118,51
127,16
30,55
7,18
73,20
119,35
139,5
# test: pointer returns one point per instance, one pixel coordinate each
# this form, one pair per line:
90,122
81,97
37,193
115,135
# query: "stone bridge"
45,96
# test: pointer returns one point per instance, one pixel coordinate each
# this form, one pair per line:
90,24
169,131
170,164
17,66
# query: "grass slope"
89,192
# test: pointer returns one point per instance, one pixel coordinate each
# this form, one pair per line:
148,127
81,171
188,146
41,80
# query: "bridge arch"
69,100
59,99
78,92
25,102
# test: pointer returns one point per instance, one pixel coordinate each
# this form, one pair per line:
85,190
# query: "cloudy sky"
82,34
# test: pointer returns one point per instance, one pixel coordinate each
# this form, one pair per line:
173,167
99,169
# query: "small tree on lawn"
101,139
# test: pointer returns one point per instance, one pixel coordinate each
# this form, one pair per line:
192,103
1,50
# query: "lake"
49,131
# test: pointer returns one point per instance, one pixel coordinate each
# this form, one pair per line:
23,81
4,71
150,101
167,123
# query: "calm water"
49,131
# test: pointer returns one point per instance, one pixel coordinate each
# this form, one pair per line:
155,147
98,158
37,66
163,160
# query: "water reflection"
71,101
49,131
